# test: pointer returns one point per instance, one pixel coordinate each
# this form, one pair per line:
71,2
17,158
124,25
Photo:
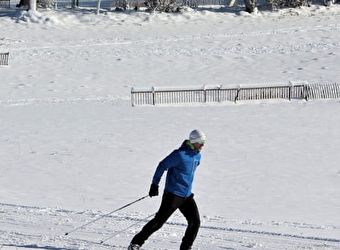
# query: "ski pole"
134,224
90,222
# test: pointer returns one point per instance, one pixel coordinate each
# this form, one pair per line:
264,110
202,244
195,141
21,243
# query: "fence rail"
4,58
218,94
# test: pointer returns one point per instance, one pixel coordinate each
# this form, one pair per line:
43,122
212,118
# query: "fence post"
153,96
237,93
132,98
98,6
306,91
204,94
290,90
219,93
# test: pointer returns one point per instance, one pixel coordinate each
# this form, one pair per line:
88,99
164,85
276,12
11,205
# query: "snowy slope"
44,228
73,149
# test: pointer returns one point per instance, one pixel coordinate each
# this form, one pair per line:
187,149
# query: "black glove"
153,190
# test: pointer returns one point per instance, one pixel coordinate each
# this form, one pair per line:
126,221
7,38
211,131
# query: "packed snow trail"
30,227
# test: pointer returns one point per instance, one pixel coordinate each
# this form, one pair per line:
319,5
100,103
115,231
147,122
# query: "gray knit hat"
196,136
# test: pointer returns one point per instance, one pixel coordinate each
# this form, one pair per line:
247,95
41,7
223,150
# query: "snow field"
72,148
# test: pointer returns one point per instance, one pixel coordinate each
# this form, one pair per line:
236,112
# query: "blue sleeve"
168,162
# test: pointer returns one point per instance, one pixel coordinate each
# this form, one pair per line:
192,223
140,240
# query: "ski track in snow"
25,227
33,101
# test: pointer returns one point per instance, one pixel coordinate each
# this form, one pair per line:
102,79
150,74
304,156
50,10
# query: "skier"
180,166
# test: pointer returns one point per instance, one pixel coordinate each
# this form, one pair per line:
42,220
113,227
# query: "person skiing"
180,166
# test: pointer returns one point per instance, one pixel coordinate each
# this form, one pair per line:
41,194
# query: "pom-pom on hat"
196,136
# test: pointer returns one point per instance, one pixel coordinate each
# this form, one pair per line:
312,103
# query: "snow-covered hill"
73,149
44,228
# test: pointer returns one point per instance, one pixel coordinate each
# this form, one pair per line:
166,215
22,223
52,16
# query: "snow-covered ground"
73,149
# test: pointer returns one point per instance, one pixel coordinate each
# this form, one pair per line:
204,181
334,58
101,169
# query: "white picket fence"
160,96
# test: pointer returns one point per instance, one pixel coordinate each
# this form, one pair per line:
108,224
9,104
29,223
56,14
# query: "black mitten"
153,190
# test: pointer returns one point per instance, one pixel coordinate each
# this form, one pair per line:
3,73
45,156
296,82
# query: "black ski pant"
170,203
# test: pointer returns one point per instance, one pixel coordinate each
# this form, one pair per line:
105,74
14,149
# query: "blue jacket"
180,166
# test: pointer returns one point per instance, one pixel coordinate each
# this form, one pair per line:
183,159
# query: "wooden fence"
290,91
4,59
